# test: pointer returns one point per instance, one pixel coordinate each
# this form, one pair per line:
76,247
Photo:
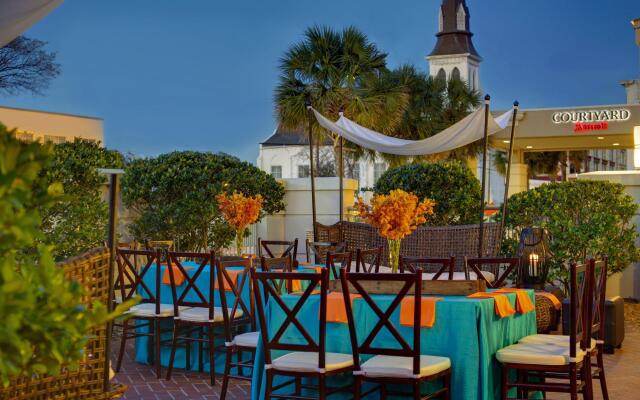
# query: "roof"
450,39
290,137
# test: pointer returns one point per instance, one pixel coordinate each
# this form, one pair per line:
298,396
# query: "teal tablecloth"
142,343
466,330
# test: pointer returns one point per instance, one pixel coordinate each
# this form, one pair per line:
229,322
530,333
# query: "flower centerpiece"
396,215
240,211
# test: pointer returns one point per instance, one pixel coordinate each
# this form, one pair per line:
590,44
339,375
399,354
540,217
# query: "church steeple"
454,54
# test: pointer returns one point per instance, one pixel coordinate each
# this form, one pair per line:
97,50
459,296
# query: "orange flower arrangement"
240,211
396,216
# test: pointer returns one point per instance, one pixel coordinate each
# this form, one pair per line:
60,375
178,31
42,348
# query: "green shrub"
583,219
42,322
174,196
450,184
78,222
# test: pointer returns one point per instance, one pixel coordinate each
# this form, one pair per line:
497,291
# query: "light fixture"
600,137
529,147
506,141
616,144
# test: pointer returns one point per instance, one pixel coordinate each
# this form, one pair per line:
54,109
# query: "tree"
449,183
335,71
174,196
78,222
26,66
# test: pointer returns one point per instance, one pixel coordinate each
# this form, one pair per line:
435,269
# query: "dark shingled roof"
451,40
290,137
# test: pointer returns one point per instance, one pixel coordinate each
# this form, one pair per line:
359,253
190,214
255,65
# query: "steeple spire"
454,36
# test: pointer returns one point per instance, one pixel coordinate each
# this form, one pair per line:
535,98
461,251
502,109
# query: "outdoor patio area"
143,383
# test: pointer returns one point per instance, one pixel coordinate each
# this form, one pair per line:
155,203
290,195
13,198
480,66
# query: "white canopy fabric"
467,130
16,16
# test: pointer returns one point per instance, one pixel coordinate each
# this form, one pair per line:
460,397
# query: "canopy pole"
311,169
487,102
516,105
341,174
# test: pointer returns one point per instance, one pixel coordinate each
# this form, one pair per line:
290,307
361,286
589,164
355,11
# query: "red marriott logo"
590,126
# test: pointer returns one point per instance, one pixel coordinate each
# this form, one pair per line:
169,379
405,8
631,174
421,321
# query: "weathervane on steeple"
454,55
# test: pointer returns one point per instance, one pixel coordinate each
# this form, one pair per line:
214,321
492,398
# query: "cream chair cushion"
149,310
457,276
248,339
402,367
308,362
558,340
537,354
201,314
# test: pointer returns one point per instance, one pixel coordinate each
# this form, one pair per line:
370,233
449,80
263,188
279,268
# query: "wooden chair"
596,346
368,259
547,360
444,266
344,259
319,250
270,246
193,310
167,245
241,335
305,360
402,362
280,264
492,276
130,283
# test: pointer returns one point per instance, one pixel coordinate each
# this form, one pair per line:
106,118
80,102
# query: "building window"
25,136
462,18
303,171
54,139
355,172
442,75
276,171
378,170
455,74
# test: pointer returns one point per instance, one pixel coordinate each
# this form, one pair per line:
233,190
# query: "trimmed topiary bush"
583,219
451,184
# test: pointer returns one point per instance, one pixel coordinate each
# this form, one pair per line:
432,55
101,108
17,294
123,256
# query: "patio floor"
623,374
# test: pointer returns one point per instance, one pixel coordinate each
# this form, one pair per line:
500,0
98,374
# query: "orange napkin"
233,274
296,285
523,301
427,311
503,306
177,275
336,311
552,297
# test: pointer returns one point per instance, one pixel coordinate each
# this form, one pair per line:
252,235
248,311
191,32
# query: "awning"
16,16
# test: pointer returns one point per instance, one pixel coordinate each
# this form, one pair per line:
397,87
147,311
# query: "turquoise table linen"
202,282
466,330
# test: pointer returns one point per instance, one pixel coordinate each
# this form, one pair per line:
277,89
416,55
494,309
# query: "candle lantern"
534,256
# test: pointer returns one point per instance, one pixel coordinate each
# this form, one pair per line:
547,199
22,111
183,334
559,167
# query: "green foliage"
174,196
78,222
583,219
450,184
42,322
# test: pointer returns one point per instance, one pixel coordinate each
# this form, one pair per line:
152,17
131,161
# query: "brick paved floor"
622,368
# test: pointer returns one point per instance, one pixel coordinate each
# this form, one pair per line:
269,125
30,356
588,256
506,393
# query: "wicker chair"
91,270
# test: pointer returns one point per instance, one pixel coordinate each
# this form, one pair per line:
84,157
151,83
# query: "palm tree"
337,71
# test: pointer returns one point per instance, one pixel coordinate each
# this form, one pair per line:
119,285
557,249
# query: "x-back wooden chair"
308,359
343,259
402,362
278,248
317,251
280,264
493,277
368,260
443,266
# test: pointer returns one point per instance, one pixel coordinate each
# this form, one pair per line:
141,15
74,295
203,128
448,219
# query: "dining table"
466,330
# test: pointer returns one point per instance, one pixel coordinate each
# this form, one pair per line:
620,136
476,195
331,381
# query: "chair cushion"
537,354
201,314
402,367
248,339
559,340
308,362
149,310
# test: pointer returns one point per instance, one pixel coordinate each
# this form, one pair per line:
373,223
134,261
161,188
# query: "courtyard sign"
591,116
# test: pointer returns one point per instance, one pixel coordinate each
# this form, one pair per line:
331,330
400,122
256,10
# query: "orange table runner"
336,311
177,275
523,301
233,275
427,311
552,297
296,285
503,307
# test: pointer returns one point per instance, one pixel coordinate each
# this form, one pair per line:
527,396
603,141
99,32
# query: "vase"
239,242
394,253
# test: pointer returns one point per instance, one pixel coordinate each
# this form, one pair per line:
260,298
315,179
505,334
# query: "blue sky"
199,74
